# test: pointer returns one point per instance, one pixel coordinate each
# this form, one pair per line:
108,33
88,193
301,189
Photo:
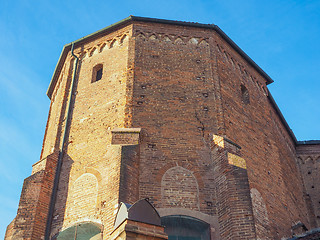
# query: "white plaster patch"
82,119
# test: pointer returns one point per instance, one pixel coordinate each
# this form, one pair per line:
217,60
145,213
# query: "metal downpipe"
61,152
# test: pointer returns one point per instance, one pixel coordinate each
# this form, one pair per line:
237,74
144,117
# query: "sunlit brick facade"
174,112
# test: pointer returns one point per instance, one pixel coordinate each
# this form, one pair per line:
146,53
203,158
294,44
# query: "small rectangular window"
97,73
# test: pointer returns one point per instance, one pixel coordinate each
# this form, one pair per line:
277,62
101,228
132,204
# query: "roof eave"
218,30
67,47
57,71
243,54
309,142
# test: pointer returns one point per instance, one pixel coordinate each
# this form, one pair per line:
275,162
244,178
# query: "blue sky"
282,37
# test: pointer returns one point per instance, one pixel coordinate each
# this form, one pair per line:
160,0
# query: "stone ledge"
126,130
223,142
125,136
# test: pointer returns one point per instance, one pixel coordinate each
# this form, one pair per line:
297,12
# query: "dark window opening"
97,73
179,227
245,95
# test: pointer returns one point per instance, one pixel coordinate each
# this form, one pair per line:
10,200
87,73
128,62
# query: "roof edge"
218,30
67,48
131,18
309,142
57,71
243,54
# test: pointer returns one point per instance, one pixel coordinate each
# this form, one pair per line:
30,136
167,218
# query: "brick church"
164,129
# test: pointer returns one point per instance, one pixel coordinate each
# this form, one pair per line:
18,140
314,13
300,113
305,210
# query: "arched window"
180,227
83,231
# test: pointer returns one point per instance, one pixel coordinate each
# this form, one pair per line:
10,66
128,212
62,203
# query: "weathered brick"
180,116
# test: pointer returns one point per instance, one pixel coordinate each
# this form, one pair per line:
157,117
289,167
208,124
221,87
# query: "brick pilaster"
31,219
128,139
233,192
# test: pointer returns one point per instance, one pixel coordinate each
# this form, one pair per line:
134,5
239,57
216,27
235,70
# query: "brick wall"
188,84
174,102
31,219
309,163
179,188
98,108
266,145
180,86
233,192
9,230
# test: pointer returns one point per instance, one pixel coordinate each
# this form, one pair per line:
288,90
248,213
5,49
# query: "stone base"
129,229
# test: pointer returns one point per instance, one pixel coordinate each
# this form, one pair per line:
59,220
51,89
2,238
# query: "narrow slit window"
245,95
97,73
